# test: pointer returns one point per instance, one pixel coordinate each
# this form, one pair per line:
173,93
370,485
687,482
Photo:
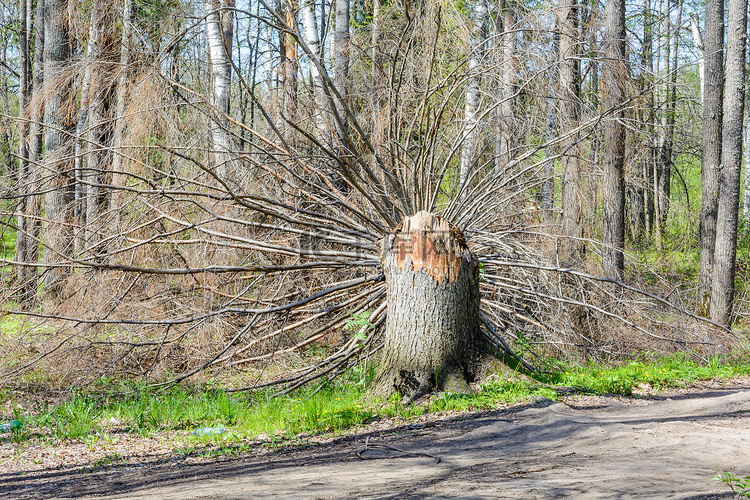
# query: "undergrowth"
110,407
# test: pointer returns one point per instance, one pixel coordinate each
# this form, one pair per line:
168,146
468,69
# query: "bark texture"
725,250
615,73
570,112
713,91
432,336
58,236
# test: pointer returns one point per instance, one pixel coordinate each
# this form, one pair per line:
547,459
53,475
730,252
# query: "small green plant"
739,485
359,324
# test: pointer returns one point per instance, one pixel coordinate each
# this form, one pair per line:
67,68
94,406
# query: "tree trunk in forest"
725,252
471,134
341,62
570,112
24,88
432,336
649,162
312,39
547,190
746,149
58,237
713,39
698,42
664,165
290,69
615,74
118,140
100,97
379,103
28,253
506,110
219,33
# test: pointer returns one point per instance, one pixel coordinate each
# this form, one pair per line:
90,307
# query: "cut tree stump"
432,336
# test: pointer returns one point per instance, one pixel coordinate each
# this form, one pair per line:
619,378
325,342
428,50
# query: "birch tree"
472,96
219,33
506,109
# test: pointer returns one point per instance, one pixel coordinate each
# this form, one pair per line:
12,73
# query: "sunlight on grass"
140,410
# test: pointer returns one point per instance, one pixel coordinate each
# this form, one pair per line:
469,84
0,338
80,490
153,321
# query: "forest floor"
666,444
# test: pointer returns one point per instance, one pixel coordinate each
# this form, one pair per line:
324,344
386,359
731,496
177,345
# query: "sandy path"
590,448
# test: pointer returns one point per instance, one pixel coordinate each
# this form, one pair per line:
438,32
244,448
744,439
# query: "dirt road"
591,447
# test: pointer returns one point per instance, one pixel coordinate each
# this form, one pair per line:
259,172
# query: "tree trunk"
472,95
432,336
572,208
24,87
290,69
118,140
28,253
100,97
312,39
219,33
506,110
712,118
725,252
547,190
615,74
58,238
648,164
698,42
341,62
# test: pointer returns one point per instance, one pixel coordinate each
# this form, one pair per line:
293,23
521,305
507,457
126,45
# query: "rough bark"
570,112
58,237
100,98
712,118
725,251
615,73
24,87
432,337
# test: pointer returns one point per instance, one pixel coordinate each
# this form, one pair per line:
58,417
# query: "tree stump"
432,335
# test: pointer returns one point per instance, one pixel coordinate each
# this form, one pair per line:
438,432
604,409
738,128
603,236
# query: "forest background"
200,188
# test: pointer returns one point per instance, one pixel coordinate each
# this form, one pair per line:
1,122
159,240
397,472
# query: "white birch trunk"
220,69
507,107
312,39
698,42
118,175
471,134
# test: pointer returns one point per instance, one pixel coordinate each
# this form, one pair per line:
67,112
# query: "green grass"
90,417
672,371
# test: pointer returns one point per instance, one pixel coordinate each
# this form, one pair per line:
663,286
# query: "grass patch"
671,371
111,407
